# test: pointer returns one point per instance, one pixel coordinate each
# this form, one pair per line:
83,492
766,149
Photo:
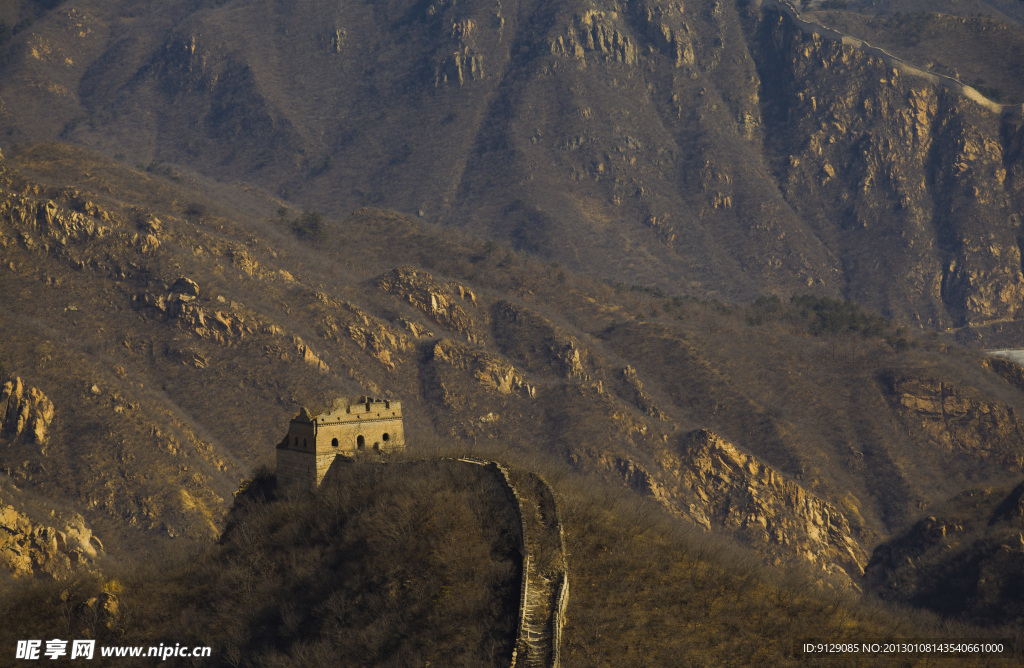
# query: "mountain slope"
402,563
175,338
963,561
719,146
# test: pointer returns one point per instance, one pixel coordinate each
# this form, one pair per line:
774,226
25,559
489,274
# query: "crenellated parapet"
349,427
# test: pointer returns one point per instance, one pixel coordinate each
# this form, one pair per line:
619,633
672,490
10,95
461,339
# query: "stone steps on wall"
545,571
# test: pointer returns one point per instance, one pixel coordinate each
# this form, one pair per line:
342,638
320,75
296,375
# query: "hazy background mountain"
710,146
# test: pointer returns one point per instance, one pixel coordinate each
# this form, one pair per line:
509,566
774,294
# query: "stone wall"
544,596
380,435
298,470
545,592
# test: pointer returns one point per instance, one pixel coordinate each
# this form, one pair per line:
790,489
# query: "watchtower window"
334,442
360,442
385,437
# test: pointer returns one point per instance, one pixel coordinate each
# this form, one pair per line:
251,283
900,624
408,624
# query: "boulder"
185,286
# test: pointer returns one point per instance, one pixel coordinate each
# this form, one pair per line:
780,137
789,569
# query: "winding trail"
809,27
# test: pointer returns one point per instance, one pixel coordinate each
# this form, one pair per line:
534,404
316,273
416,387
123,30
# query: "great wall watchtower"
349,427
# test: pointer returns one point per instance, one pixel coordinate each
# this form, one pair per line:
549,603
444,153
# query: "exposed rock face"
642,400
1010,371
711,482
540,346
957,421
29,549
432,298
462,66
45,220
342,319
463,61
105,609
901,193
24,410
490,371
739,491
898,146
186,286
181,303
532,339
307,355
668,31
606,35
600,33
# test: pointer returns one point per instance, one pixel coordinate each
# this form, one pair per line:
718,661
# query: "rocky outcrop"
965,561
539,345
309,357
30,549
490,371
104,609
50,226
955,420
599,33
434,299
606,35
923,153
375,337
459,67
641,399
24,411
147,239
379,342
542,347
738,491
463,61
180,303
185,287
667,30
1010,370
712,483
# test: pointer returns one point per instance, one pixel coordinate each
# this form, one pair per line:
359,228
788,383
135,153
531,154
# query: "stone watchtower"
349,427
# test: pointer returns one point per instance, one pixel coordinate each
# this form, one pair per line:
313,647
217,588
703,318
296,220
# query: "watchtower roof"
352,408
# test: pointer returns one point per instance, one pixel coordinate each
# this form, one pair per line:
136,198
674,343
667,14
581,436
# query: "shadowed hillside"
963,561
408,563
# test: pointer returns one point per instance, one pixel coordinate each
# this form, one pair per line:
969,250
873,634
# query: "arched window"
386,437
305,443
360,442
376,446
334,442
